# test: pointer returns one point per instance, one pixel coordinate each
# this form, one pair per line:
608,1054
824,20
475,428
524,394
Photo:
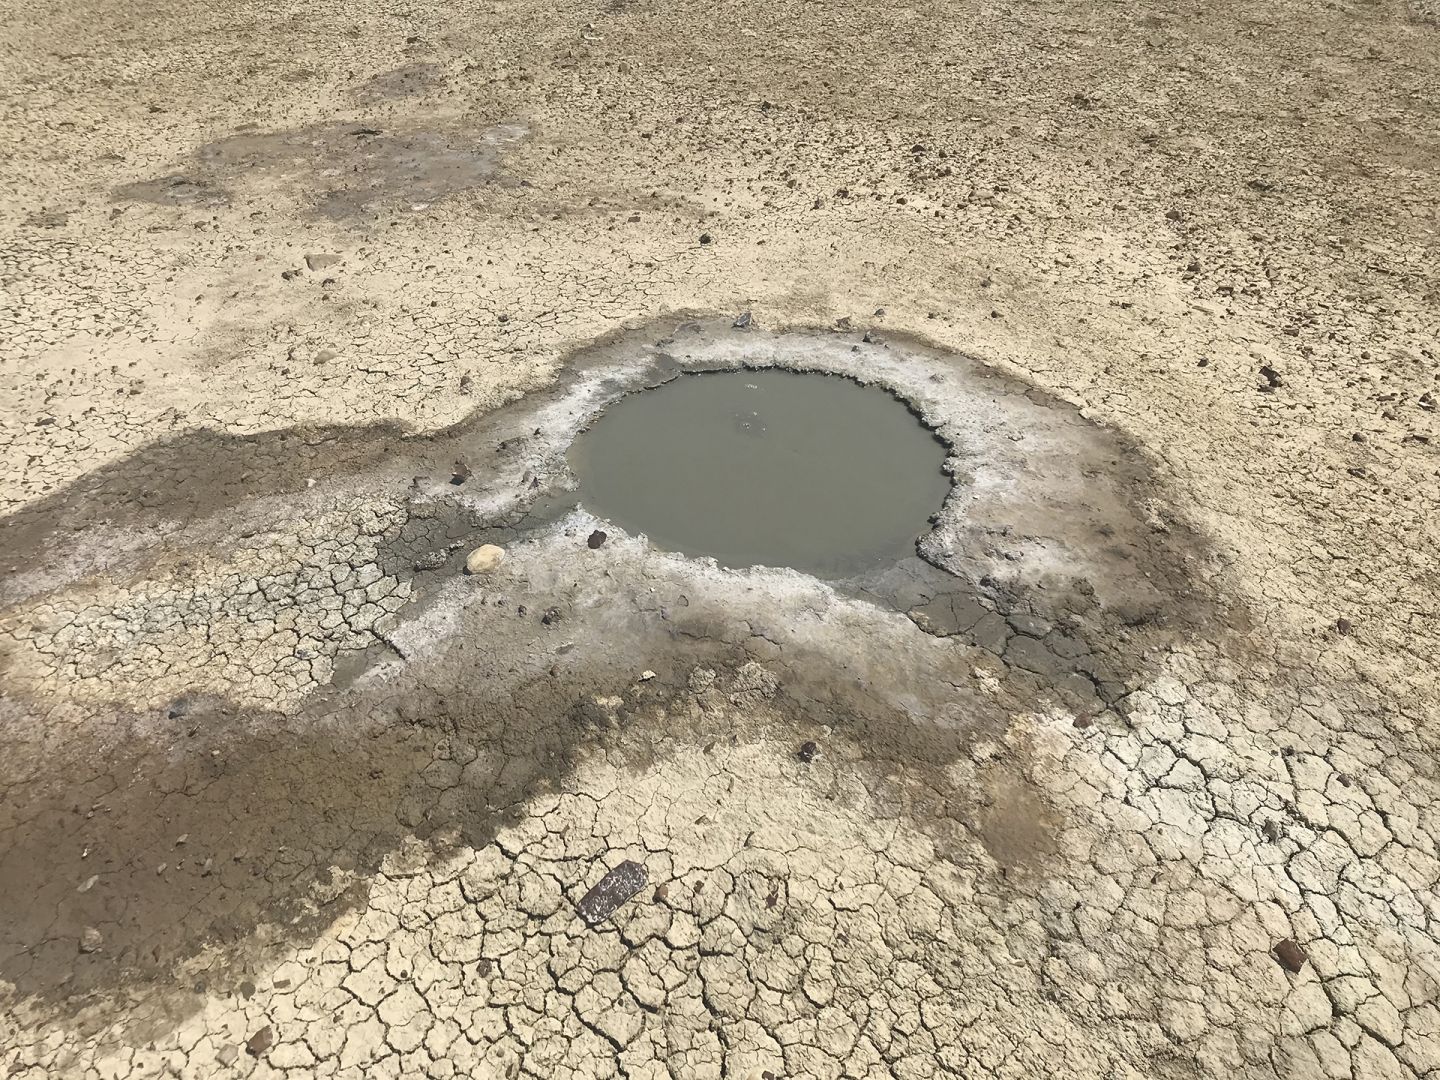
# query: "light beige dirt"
322,805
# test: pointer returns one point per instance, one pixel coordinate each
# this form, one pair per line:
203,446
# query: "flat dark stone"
1291,956
616,887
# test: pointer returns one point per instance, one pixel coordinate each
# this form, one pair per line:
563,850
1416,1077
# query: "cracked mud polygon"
1119,763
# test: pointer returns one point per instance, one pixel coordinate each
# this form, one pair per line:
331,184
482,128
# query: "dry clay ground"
286,794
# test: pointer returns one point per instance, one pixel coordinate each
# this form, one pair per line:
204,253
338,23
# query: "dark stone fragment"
1343,627
1291,956
551,617
705,238
616,887
597,538
261,1041
743,321
808,751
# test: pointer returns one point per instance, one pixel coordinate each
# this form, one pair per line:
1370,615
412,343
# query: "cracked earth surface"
1131,775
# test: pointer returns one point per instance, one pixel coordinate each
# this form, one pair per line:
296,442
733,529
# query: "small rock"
743,321
320,262
90,940
459,473
1291,956
647,675
261,1041
88,883
808,752
597,538
551,617
182,839
614,889
227,1055
705,238
1344,626
484,559
1173,215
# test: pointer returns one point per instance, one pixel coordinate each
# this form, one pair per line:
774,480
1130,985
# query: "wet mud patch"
1046,588
343,170
766,468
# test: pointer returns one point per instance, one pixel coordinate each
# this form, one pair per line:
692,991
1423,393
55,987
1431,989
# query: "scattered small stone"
808,752
614,889
843,323
646,675
261,1041
1344,626
1082,722
597,539
1173,215
227,1055
484,559
661,892
91,940
1291,956
320,262
466,384
743,320
88,883
247,989
705,238
1271,376
551,617
182,839
282,984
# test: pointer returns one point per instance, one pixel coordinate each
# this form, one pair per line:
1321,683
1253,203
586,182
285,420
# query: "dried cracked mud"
1128,772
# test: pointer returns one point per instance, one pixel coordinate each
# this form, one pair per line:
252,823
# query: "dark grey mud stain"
346,170
458,744
407,81
772,468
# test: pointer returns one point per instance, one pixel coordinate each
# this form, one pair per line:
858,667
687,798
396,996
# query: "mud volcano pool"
771,468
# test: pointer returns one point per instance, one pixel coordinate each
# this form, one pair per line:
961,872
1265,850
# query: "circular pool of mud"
766,468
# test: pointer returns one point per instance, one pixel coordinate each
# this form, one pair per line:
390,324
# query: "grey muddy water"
771,468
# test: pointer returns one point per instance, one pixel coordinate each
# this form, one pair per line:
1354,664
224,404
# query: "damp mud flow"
766,468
